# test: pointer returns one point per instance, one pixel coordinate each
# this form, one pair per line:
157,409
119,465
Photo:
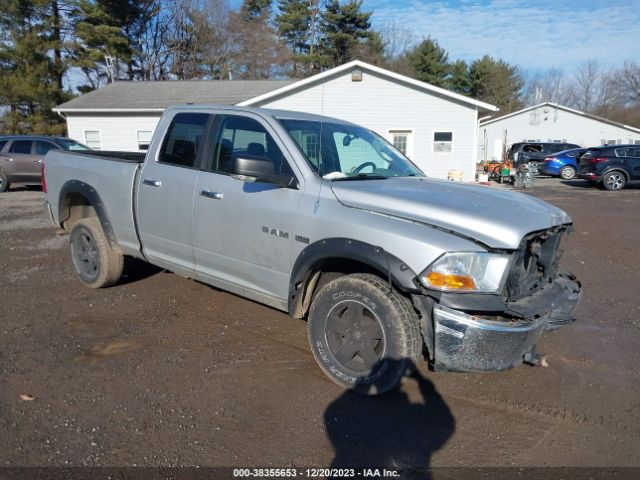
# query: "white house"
436,128
550,122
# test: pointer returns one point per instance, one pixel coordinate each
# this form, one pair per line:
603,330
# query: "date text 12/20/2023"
314,473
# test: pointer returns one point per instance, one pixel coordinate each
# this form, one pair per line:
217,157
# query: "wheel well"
75,207
323,272
619,170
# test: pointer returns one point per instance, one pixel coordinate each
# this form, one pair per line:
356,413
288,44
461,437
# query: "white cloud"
533,35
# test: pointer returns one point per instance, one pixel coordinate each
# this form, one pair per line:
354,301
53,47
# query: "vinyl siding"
382,105
555,124
118,132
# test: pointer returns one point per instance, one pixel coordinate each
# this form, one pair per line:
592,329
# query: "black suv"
534,153
614,166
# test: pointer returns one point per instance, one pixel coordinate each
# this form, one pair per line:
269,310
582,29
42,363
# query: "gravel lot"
164,371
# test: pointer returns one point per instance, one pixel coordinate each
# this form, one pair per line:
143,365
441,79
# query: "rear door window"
21,146
183,141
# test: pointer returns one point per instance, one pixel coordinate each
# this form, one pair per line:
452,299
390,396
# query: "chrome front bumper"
472,344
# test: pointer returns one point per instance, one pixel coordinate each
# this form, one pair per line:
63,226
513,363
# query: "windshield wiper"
361,176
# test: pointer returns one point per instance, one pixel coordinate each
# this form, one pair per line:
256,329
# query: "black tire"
4,182
614,181
95,262
567,172
363,334
496,174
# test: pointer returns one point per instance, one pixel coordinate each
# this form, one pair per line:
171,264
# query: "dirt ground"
164,371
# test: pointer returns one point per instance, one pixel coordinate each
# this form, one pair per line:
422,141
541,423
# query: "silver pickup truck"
325,220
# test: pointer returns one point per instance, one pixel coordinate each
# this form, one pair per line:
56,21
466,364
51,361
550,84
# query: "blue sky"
534,34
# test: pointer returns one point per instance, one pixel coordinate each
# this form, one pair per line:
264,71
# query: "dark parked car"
21,157
563,164
534,153
614,166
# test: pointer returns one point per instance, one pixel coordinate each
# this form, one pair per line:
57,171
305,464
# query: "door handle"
9,159
151,182
37,161
209,194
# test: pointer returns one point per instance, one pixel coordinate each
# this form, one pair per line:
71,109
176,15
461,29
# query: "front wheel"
614,181
364,334
96,263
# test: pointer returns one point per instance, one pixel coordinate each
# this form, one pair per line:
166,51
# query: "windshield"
71,144
338,151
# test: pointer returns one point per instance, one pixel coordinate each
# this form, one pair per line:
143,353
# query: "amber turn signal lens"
450,281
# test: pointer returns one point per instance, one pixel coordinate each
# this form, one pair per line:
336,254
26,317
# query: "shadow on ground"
389,431
135,270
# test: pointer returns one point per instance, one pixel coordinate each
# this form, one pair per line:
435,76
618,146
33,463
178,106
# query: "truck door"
165,193
243,230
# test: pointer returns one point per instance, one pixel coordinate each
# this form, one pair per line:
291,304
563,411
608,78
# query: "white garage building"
436,128
550,122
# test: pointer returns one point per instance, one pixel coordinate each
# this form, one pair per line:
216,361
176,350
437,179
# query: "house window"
442,142
611,142
92,139
311,147
401,139
636,142
144,139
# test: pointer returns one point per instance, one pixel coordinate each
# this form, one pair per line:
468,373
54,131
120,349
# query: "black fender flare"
92,196
395,270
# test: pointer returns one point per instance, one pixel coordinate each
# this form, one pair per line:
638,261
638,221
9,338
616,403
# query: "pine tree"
345,28
97,35
496,82
31,66
294,24
459,80
430,62
255,9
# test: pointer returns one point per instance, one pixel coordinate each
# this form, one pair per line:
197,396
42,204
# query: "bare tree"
549,86
594,87
397,40
627,79
258,52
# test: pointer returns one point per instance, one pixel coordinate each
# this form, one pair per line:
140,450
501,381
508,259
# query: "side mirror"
262,169
252,166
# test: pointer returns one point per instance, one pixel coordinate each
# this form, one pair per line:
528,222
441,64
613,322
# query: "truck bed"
110,175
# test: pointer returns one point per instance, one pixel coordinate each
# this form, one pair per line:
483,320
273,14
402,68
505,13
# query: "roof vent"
356,75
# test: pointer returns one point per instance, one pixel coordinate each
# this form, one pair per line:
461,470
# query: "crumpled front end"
494,341
487,333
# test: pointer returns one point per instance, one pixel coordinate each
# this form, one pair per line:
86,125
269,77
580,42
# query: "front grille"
535,263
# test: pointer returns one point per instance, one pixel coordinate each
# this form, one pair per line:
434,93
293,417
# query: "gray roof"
159,95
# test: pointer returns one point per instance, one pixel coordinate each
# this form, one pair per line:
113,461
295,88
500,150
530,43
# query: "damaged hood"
495,217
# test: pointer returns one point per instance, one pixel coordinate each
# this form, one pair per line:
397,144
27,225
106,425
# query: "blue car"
563,164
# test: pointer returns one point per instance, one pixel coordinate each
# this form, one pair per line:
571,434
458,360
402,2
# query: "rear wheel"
4,182
96,263
614,181
567,172
363,334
